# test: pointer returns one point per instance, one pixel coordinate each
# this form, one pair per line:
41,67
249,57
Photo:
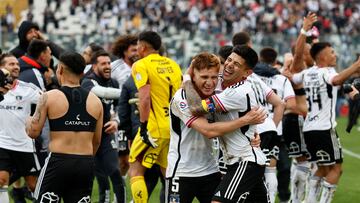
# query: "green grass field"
349,187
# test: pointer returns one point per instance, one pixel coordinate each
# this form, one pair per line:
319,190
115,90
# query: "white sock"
4,196
271,182
314,189
298,181
327,192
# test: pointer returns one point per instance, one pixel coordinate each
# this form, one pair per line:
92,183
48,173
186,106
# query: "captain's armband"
208,105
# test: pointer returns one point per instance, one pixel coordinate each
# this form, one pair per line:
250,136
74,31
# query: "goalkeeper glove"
146,137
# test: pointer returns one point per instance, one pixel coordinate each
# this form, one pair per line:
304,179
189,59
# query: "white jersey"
321,97
14,110
235,102
262,92
120,71
283,88
190,153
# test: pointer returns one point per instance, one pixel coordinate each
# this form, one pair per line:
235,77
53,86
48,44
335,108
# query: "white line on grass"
350,153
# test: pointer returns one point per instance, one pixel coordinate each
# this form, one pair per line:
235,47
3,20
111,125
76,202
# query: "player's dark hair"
248,54
268,55
151,38
317,48
74,62
95,47
241,38
205,60
225,52
35,48
3,56
122,43
97,54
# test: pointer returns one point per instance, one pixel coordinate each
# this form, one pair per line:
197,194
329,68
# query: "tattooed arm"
193,99
35,123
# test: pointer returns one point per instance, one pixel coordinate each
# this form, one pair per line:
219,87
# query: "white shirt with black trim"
14,110
283,88
190,153
235,101
321,97
120,71
262,92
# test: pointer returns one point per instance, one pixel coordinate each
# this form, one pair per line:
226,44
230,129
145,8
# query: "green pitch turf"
349,187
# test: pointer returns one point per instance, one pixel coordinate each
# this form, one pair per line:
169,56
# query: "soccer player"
17,152
244,179
75,117
293,120
187,176
157,78
106,158
321,83
280,85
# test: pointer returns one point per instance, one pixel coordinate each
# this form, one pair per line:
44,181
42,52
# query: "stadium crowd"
226,16
229,129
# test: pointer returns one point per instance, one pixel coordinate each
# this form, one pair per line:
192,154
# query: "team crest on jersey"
18,98
138,76
183,105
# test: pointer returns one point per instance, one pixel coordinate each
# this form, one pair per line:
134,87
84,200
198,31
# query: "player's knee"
136,169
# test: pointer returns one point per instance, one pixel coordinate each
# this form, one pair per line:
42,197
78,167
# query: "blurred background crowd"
187,26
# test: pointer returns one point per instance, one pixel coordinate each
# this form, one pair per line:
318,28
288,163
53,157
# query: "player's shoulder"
180,94
28,86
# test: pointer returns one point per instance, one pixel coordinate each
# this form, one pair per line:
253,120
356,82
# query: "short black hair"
268,55
95,47
241,38
73,61
225,52
97,54
248,54
317,48
151,38
35,48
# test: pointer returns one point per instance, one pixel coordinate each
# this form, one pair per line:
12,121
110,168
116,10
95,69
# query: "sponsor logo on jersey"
78,122
8,107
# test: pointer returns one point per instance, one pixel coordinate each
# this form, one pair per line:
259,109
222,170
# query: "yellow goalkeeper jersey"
164,76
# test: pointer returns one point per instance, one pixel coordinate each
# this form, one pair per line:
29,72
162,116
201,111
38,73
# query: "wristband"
304,32
186,77
299,92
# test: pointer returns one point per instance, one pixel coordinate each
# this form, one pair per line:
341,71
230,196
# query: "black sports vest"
76,118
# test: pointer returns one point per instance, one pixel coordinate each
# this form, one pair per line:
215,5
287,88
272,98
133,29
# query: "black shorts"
293,135
244,181
106,158
185,189
19,163
270,142
65,176
324,146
